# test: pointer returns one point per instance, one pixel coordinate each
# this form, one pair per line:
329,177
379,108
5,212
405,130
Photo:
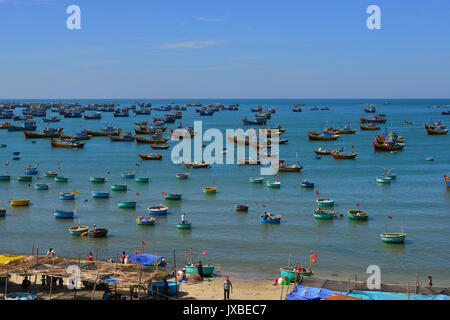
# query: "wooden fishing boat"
158,210
2,212
447,181
142,179
94,116
346,130
196,165
241,207
182,175
393,237
374,119
307,184
80,136
5,177
387,146
97,232
340,155
369,127
41,187
320,151
150,141
211,190
78,230
66,144
128,175
24,179
152,156
33,135
19,203
207,270
325,202
51,174
67,196
321,136
61,179
324,214
358,215
52,119
289,168
268,218
184,225
273,184
172,196
63,214
291,275
100,195
145,221
249,162
435,131
122,138
107,133
97,179
126,204
162,147
256,180
119,187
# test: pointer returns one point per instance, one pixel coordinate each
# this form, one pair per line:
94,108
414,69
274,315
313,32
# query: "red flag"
6,164
164,194
358,205
58,164
389,217
29,166
313,260
317,192
264,205
138,194
145,244
137,251
187,257
313,254
203,252
256,203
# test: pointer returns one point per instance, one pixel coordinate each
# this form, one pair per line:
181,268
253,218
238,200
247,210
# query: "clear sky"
224,49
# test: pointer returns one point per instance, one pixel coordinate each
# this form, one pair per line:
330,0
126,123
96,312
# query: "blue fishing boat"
31,171
78,230
257,122
158,210
41,187
67,196
307,184
63,214
267,218
128,175
20,296
159,287
100,195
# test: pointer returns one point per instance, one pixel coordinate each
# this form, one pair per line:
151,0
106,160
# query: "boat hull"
393,237
207,270
100,195
63,215
126,204
141,179
118,187
20,203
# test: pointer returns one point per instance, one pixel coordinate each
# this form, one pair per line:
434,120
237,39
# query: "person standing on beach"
226,288
200,269
430,281
90,256
122,257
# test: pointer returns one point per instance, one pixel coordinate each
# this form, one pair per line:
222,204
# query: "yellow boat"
19,203
211,190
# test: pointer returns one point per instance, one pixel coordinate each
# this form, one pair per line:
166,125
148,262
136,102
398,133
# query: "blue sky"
224,49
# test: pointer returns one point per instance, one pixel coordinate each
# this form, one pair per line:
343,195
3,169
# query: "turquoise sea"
418,200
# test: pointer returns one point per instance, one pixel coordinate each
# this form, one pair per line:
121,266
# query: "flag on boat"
389,217
317,192
164,194
358,205
313,257
264,205
313,254
203,252
143,243
138,194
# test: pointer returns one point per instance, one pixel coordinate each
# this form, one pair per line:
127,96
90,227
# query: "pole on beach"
95,283
51,287
407,288
37,255
174,263
6,282
32,250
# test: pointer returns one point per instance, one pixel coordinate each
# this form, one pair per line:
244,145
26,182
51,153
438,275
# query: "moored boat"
358,215
24,178
241,207
119,187
324,214
182,175
145,221
383,179
368,127
63,214
158,210
19,203
322,136
61,179
208,270
141,179
5,177
210,190
266,217
50,174
393,237
341,155
100,195
273,184
41,187
78,230
67,196
184,225
256,179
325,202
128,175
172,196
152,156
307,184
98,232
97,179
321,151
292,275
126,204
70,144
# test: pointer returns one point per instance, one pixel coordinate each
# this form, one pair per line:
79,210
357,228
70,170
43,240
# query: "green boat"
256,180
141,179
126,204
50,174
119,187
5,178
323,214
24,178
61,179
358,215
293,275
273,184
325,202
186,225
207,270
211,190
393,237
145,221
172,196
97,179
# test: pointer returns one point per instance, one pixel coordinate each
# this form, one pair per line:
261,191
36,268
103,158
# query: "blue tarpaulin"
378,295
144,259
310,293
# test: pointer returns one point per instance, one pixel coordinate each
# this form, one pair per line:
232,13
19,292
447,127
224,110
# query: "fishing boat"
50,174
51,119
292,274
297,109
184,225
97,179
97,232
94,116
391,174
162,147
126,204
172,196
106,132
368,127
22,296
388,146
289,168
100,195
358,215
31,171
71,144
374,119
41,187
5,177
324,214
346,130
241,207
145,221
63,214
182,175
325,202
197,164
211,190
150,141
24,179
393,237
33,135
151,156
61,179
266,217
122,138
78,230
273,184
257,122
128,175
79,136
207,270
434,131
19,203
341,155
307,184
321,151
119,187
447,181
171,289
383,179
322,136
67,196
2,212
141,179
158,210
256,180
429,159
370,110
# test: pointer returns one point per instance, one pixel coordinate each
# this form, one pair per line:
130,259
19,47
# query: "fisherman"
430,281
163,263
26,284
200,269
126,260
122,257
90,258
226,288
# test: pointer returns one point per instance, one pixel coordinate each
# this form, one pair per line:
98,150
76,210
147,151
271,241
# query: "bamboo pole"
32,250
6,282
174,263
51,287
95,284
